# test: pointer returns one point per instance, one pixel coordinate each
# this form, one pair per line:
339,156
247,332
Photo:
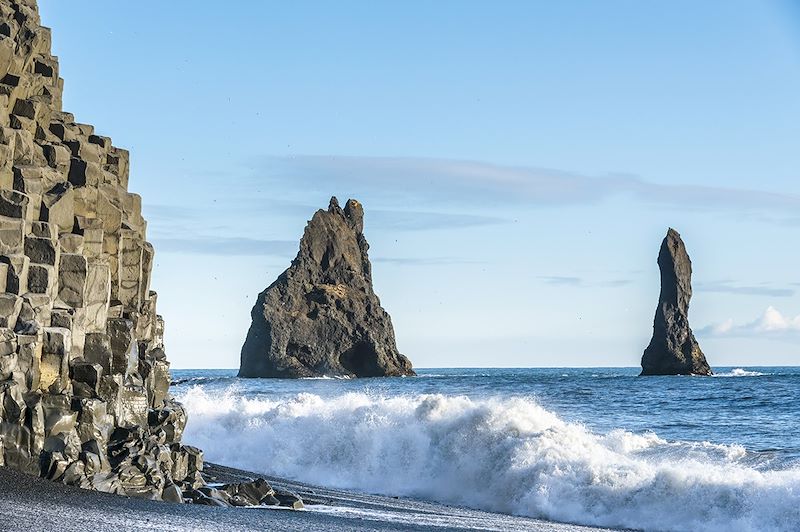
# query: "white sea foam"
510,456
740,372
326,378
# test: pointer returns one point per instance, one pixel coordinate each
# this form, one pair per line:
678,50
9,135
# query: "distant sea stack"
674,349
84,380
321,317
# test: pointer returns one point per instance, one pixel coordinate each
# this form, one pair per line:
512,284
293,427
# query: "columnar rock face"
321,317
83,376
674,349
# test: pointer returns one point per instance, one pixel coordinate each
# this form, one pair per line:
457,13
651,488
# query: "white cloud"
773,320
771,323
719,329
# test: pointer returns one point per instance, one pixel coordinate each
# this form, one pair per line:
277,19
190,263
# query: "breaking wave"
503,455
740,372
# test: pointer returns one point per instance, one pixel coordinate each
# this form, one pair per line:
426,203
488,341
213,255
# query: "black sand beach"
29,503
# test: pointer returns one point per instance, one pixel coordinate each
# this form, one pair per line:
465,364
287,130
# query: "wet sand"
29,503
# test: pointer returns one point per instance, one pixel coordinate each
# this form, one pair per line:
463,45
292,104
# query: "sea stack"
674,349
84,380
321,317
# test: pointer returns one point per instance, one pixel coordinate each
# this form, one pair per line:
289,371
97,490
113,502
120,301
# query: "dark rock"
97,350
289,500
248,493
673,349
42,250
13,204
197,497
321,317
194,458
87,373
180,463
123,345
10,308
270,500
172,493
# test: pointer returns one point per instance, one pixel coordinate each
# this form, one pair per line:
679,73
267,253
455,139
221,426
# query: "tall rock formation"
674,349
83,376
321,317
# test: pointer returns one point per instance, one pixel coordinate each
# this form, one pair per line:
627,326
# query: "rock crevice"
673,350
321,317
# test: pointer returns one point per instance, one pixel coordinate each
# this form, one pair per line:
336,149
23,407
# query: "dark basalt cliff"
673,349
321,317
84,379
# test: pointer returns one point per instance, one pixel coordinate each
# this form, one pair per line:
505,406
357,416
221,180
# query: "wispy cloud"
559,280
419,194
226,246
730,287
420,221
771,323
177,220
617,282
442,181
425,261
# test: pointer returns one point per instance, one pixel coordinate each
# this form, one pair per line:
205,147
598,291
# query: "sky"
519,164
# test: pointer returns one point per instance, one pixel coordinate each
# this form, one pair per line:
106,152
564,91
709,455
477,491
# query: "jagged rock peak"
321,317
353,212
673,350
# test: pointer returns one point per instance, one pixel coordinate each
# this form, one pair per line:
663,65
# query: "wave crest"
510,456
740,372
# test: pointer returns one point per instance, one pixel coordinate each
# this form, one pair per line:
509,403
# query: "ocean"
591,446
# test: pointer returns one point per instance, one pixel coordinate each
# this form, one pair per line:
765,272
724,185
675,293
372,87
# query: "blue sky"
519,163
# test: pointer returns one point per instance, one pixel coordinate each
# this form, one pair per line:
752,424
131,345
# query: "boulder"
321,317
673,350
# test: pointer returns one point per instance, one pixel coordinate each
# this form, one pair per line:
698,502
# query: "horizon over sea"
593,446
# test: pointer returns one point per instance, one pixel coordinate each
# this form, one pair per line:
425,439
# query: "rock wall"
83,376
321,317
673,350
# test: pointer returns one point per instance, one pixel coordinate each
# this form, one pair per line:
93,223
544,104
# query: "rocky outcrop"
84,379
674,349
321,317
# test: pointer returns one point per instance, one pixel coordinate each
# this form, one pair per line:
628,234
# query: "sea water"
596,446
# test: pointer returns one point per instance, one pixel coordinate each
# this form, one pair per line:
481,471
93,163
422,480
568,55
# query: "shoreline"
32,503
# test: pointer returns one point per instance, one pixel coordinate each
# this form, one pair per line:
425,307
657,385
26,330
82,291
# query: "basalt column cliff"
83,376
321,317
674,349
